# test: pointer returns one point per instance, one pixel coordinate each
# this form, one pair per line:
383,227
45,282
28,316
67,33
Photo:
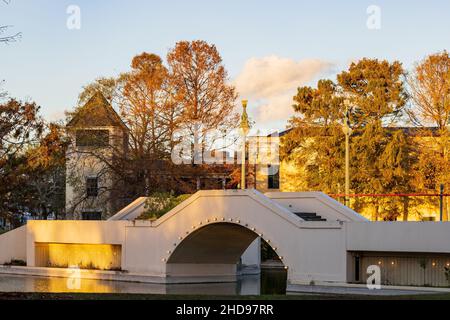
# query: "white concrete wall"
82,162
132,211
82,232
13,245
433,237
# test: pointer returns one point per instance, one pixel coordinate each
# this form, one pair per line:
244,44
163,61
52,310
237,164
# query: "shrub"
159,203
16,262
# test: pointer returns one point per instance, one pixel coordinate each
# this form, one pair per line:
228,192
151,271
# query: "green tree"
376,90
321,112
380,158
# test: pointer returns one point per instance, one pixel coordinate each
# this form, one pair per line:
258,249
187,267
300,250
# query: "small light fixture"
392,263
169,252
379,262
230,219
433,264
180,238
163,259
281,258
238,221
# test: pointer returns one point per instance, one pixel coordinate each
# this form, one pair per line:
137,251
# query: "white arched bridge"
203,239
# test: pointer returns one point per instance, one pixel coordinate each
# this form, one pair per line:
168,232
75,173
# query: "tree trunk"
405,208
376,213
446,206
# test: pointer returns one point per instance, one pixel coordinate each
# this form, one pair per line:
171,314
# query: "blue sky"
51,63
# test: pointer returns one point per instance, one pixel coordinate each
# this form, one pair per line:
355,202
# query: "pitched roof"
97,112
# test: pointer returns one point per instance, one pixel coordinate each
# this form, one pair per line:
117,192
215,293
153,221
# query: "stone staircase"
309,216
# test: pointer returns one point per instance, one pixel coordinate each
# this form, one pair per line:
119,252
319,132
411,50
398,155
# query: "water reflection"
269,282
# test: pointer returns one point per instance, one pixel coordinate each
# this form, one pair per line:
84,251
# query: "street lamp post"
441,195
347,131
245,128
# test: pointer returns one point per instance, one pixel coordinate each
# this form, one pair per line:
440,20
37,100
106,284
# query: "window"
92,138
357,268
273,177
93,215
92,187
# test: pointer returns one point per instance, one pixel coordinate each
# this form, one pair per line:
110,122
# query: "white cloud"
272,81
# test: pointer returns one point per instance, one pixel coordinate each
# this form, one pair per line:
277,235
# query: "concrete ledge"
249,270
112,275
361,289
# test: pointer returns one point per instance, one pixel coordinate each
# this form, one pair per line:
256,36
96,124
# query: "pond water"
271,281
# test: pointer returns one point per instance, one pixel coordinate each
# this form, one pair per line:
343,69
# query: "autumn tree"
148,108
46,174
430,91
143,104
201,87
20,127
20,124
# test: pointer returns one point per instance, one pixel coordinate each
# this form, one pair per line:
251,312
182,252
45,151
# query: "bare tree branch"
3,29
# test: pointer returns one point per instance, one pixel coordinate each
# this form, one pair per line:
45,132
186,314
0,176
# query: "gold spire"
245,125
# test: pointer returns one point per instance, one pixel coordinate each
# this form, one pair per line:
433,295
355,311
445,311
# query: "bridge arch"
216,227
215,243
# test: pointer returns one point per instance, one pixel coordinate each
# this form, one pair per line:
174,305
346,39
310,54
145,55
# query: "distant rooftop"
97,112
